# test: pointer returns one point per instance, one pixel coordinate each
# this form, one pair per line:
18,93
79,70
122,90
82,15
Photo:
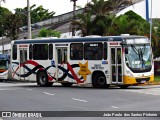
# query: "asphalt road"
30,97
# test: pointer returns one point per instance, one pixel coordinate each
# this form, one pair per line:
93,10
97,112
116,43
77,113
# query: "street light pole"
74,16
2,45
2,41
29,20
151,22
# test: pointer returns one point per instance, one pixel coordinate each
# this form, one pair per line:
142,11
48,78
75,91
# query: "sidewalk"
154,83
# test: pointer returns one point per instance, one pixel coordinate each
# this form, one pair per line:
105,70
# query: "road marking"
28,89
1,119
79,100
6,89
114,107
11,89
48,93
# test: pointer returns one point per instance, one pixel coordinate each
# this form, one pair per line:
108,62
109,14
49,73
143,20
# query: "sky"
58,6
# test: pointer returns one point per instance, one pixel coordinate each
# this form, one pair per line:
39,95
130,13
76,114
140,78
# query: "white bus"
99,61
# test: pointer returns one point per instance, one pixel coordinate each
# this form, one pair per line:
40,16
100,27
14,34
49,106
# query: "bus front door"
116,65
61,63
22,66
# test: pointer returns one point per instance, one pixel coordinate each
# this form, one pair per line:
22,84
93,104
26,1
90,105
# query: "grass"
156,78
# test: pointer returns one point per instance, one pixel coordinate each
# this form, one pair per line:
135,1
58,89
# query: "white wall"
140,9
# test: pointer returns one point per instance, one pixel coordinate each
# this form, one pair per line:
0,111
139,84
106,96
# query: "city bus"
4,65
100,61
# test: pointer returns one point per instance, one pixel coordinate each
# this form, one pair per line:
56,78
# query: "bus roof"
79,39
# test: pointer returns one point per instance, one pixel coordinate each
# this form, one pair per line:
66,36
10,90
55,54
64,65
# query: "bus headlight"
128,73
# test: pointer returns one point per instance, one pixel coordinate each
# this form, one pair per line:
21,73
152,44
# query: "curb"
18,81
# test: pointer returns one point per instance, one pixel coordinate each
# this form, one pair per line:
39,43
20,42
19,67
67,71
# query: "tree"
12,23
98,7
102,24
84,24
48,33
3,12
95,18
37,14
130,23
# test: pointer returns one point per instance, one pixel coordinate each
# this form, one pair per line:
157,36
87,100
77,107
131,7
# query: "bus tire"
123,86
67,84
42,79
99,81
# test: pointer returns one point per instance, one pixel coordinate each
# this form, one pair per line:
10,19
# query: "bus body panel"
61,67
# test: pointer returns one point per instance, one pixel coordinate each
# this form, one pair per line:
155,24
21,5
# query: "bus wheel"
42,79
123,86
99,81
67,84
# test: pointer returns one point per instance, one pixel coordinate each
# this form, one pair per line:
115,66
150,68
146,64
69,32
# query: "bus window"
62,55
65,55
40,51
76,51
50,51
105,51
23,56
93,51
59,55
30,51
14,52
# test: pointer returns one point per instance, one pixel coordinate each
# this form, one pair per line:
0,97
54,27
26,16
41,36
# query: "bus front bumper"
133,80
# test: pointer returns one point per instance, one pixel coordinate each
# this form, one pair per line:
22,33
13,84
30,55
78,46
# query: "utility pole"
29,19
74,16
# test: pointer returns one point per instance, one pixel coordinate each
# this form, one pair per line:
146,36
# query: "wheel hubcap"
101,80
42,79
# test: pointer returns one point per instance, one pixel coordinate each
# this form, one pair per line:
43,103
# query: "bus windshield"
138,57
4,62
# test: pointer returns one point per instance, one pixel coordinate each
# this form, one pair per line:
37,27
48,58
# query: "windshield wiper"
140,53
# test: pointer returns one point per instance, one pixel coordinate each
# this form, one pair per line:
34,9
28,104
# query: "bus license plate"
143,81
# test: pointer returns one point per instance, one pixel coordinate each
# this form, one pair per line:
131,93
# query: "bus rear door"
22,66
116,64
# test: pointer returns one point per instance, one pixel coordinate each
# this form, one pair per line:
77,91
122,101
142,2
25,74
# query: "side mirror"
8,61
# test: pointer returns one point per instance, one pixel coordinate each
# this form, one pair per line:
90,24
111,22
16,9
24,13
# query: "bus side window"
30,51
105,51
14,52
40,51
50,51
59,54
93,51
76,51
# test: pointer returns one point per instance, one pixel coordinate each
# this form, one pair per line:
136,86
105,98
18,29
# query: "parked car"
35,26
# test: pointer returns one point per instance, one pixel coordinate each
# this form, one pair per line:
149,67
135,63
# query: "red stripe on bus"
73,73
